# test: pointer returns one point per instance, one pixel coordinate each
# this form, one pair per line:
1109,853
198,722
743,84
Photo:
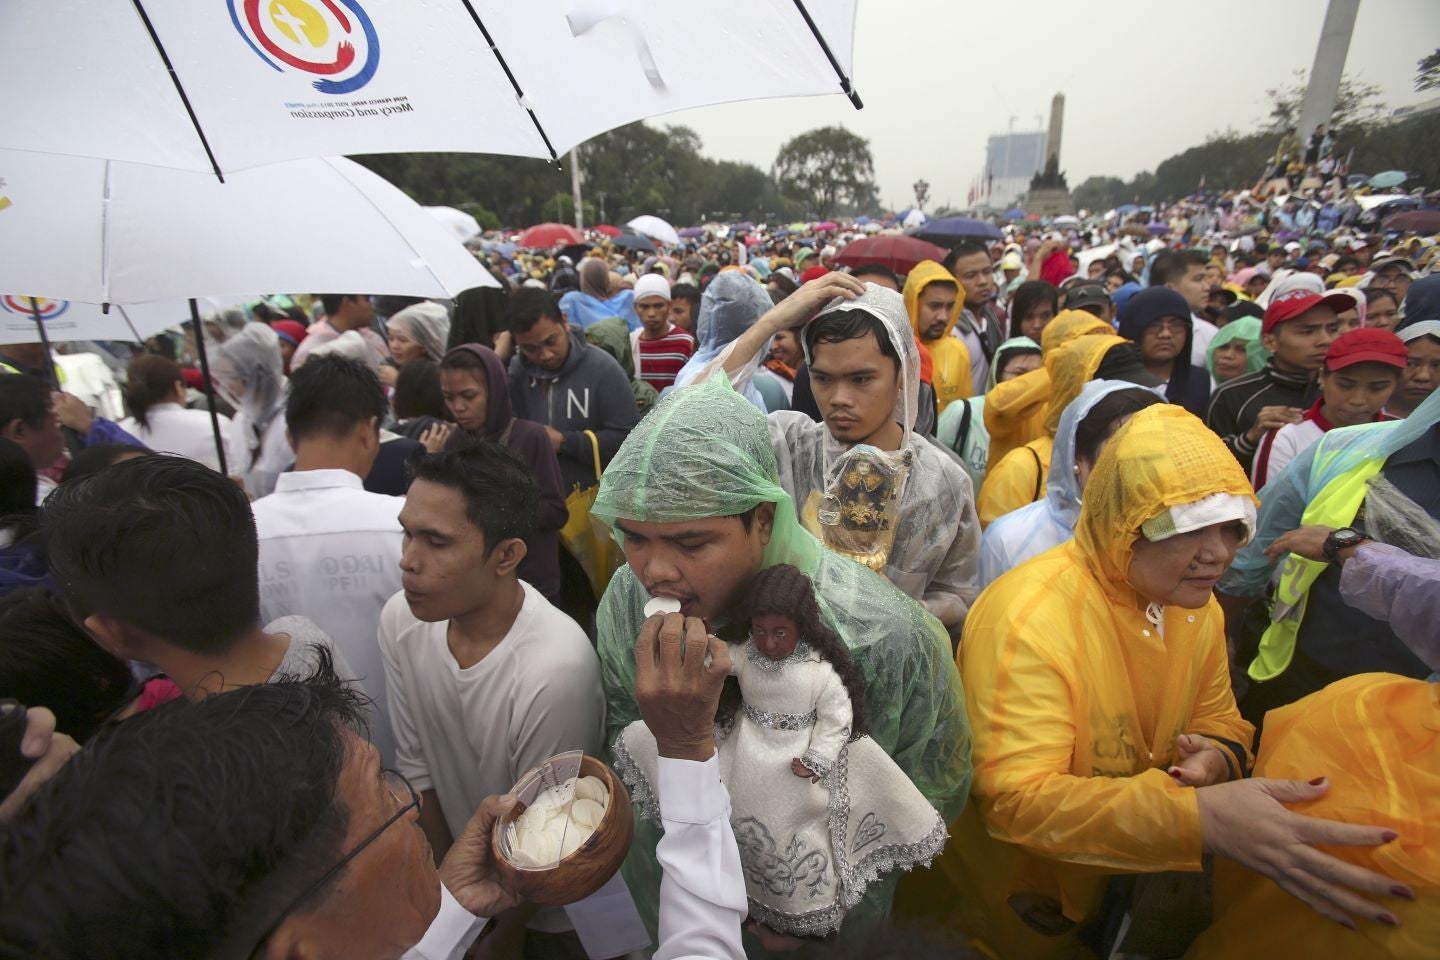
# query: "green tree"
1100,194
1427,75
1357,104
829,170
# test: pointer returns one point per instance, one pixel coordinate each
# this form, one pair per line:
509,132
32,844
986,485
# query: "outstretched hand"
469,866
676,689
1246,820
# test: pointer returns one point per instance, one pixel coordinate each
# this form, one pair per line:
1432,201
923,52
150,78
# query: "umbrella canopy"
1157,228
543,236
1126,208
460,223
607,230
825,225
953,229
1066,221
1415,221
873,227
224,86
899,253
1015,214
689,232
630,241
913,218
1390,178
107,232
67,320
655,229
744,226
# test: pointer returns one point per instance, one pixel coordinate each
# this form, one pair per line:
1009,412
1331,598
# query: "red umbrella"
606,229
547,235
1415,221
899,253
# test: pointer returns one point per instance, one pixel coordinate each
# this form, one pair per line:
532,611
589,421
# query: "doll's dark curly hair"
783,589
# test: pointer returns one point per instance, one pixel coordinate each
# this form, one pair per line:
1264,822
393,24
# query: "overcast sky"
1142,81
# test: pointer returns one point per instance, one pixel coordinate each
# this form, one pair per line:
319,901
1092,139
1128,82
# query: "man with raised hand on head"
695,497
864,371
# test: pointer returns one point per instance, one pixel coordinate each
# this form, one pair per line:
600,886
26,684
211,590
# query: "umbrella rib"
405,239
845,85
179,87
509,75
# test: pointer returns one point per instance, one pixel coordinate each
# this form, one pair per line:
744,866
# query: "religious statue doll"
818,808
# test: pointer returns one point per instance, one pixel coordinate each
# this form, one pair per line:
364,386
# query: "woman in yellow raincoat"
1015,409
1100,705
1019,477
1081,687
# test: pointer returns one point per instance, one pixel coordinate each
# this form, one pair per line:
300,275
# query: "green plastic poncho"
1246,329
613,337
705,451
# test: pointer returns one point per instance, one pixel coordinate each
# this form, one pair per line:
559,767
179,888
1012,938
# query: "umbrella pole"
519,94
180,88
825,48
45,341
209,387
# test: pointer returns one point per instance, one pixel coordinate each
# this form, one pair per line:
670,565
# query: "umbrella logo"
49,309
316,37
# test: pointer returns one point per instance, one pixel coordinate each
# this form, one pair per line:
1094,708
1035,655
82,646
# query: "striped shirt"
661,359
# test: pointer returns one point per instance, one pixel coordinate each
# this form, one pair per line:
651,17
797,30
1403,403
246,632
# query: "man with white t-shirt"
486,678
329,549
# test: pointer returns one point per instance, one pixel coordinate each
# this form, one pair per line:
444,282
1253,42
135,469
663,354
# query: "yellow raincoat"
1076,698
950,373
1015,409
1377,736
1019,477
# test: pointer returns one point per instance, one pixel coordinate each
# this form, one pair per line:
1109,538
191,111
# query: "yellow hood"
1071,366
1163,457
1069,324
925,273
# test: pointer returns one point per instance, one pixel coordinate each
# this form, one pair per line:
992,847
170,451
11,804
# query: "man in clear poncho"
865,371
1107,740
730,306
694,495
250,374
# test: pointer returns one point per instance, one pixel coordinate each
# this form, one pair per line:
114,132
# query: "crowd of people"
1123,544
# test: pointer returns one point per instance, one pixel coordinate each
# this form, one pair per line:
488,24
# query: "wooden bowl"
586,869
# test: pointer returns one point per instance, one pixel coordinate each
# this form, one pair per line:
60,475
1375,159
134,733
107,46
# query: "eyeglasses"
403,794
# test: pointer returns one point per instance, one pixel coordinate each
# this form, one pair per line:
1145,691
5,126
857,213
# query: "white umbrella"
67,320
655,229
224,85
460,223
1066,221
106,232
915,218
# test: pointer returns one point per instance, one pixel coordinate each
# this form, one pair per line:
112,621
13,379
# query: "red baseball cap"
1366,345
1292,303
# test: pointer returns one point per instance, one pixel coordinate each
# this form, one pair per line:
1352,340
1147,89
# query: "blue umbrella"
862,220
631,241
1016,214
744,226
952,229
1125,208
1390,178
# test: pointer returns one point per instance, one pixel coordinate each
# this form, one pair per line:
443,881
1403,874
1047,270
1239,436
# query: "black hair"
1028,296
18,487
24,398
1171,265
150,379
162,543
1097,426
785,284
1004,355
841,325
1375,293
1346,260
332,302
691,293
329,395
785,590
1243,308
500,494
417,391
875,270
232,804
528,306
46,659
97,457
1124,275
965,248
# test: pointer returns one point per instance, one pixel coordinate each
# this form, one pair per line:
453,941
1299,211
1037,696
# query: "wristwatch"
1339,540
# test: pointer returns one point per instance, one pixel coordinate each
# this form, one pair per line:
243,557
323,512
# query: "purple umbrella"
744,226
692,232
1157,228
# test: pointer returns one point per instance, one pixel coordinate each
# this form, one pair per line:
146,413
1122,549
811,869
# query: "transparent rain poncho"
705,451
1048,522
731,304
908,513
250,374
428,324
1284,499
